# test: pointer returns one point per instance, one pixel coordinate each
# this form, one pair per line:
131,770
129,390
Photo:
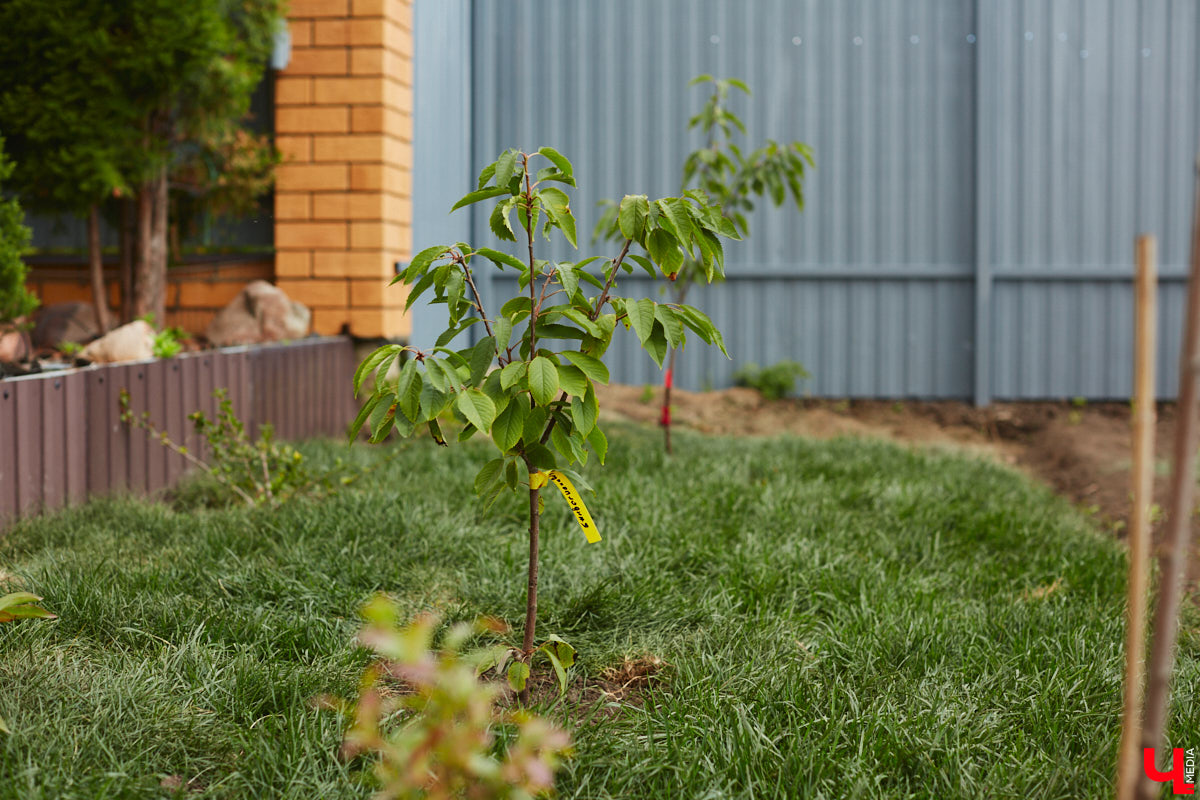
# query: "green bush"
774,382
15,300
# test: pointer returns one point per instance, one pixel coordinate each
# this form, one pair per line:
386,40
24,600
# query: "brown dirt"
1082,452
598,698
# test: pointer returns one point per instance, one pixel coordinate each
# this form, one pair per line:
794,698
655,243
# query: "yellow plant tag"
539,479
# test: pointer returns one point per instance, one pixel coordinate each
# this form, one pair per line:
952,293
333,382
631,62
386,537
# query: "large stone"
260,313
64,322
132,342
14,346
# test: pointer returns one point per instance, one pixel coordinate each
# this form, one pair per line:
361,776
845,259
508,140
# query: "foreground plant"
733,180
520,383
20,605
424,714
259,471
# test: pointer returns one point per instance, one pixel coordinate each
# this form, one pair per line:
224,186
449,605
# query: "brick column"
343,121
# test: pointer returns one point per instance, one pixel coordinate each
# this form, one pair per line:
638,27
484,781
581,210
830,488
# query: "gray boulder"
260,313
64,322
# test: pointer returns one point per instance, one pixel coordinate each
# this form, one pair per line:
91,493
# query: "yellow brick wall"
343,122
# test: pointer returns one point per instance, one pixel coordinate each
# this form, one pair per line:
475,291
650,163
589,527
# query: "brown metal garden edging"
61,437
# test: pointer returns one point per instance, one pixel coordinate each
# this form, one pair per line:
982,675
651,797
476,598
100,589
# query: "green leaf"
500,224
583,413
599,443
559,672
383,418
535,424
656,345
540,456
631,216
420,263
433,402
510,424
572,380
478,408
435,431
489,475
506,167
644,263
641,317
518,674
568,278
594,368
664,249
581,319
486,175
672,325
408,390
543,380
512,373
370,363
418,289
481,356
364,414
558,159
482,194
504,329
558,206
500,259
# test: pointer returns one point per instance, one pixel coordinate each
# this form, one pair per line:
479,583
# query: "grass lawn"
841,619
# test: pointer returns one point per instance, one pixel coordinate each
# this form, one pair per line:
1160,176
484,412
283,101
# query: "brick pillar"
343,121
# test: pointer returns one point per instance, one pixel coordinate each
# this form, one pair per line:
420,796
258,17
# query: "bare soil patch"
1081,451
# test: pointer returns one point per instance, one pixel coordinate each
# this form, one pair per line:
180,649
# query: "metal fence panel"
61,437
982,170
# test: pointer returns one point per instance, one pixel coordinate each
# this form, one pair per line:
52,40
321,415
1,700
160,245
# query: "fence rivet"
56,384
6,395
970,38
139,376
1145,52
1083,53
914,39
858,40
1029,36
715,39
796,40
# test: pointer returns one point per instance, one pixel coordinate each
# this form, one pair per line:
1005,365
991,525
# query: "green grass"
842,619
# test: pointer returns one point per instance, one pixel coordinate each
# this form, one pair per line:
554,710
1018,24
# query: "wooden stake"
1179,519
1129,763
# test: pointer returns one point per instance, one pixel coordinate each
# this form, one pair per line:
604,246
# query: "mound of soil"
1082,452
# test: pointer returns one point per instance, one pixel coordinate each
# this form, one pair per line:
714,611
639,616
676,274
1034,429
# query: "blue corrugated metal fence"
982,170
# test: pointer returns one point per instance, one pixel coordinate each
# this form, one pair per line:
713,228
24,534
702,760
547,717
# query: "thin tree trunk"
96,271
151,269
1174,559
668,379
531,590
1129,766
128,240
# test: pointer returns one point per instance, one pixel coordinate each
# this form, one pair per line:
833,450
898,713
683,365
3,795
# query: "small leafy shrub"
774,382
15,300
168,342
431,724
256,472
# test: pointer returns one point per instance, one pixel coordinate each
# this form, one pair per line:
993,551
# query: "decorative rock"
260,313
65,322
132,342
14,346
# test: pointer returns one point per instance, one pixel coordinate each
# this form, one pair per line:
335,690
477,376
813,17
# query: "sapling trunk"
531,588
666,409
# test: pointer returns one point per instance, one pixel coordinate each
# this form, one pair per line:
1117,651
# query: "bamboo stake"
1145,319
1174,559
